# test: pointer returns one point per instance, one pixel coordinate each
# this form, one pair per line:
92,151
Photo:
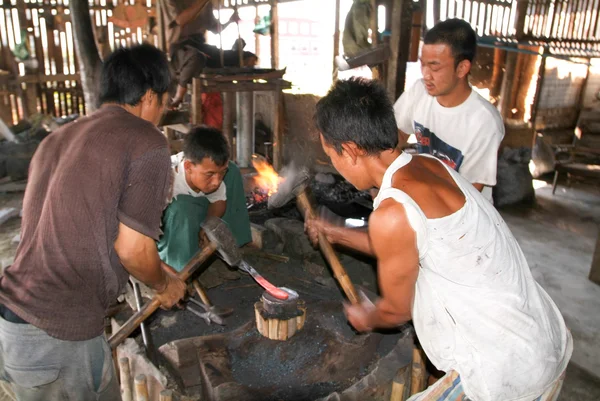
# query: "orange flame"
267,178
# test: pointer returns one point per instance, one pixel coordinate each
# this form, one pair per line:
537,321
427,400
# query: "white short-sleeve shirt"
465,137
180,185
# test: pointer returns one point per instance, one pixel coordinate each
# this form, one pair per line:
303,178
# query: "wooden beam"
243,86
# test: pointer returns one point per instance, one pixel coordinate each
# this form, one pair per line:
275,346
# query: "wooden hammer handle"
148,309
201,292
338,270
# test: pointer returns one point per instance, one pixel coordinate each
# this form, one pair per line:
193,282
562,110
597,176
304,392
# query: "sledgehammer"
294,185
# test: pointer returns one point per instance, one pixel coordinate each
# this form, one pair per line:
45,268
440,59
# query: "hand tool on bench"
208,315
217,310
150,307
218,232
294,186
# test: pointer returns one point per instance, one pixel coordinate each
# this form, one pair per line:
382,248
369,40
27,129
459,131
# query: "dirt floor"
557,236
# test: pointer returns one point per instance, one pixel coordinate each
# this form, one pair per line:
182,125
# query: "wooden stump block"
279,328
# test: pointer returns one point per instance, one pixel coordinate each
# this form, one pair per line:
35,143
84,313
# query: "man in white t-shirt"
205,183
449,119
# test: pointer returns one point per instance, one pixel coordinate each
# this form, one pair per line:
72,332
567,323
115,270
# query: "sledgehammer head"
217,232
295,181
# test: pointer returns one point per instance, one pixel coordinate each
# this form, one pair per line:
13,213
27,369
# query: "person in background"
186,24
206,183
449,119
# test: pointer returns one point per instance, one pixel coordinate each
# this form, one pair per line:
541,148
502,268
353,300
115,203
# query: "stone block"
291,233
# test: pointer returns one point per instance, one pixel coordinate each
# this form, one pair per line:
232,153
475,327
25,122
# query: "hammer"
210,224
294,185
218,232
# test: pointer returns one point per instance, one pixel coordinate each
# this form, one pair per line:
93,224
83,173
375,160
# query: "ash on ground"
327,355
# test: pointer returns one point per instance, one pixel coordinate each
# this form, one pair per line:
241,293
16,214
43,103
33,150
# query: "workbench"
237,86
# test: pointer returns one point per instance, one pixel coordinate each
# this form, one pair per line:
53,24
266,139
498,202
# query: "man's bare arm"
478,186
139,256
190,13
352,238
217,209
394,243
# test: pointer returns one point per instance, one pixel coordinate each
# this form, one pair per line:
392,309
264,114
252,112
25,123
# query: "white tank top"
477,308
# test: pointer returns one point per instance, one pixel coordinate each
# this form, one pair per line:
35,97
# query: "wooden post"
256,35
166,395
228,107
520,18
196,102
374,30
595,270
497,73
400,47
245,129
160,28
277,128
141,388
436,12
538,91
126,393
87,52
274,35
336,39
419,372
504,106
415,35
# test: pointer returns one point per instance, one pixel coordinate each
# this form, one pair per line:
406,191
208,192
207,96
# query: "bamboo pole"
276,329
126,392
401,384
166,395
419,373
141,388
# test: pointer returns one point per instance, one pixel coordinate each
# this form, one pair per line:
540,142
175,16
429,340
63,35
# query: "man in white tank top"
446,261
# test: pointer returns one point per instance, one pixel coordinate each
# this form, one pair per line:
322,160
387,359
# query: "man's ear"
351,150
187,165
463,68
148,97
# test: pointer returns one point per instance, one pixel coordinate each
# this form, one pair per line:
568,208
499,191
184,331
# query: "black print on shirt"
428,142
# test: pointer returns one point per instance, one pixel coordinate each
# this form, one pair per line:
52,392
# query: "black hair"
458,35
128,73
357,110
203,142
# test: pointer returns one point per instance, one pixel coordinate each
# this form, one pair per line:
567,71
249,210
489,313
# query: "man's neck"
377,166
189,182
461,92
